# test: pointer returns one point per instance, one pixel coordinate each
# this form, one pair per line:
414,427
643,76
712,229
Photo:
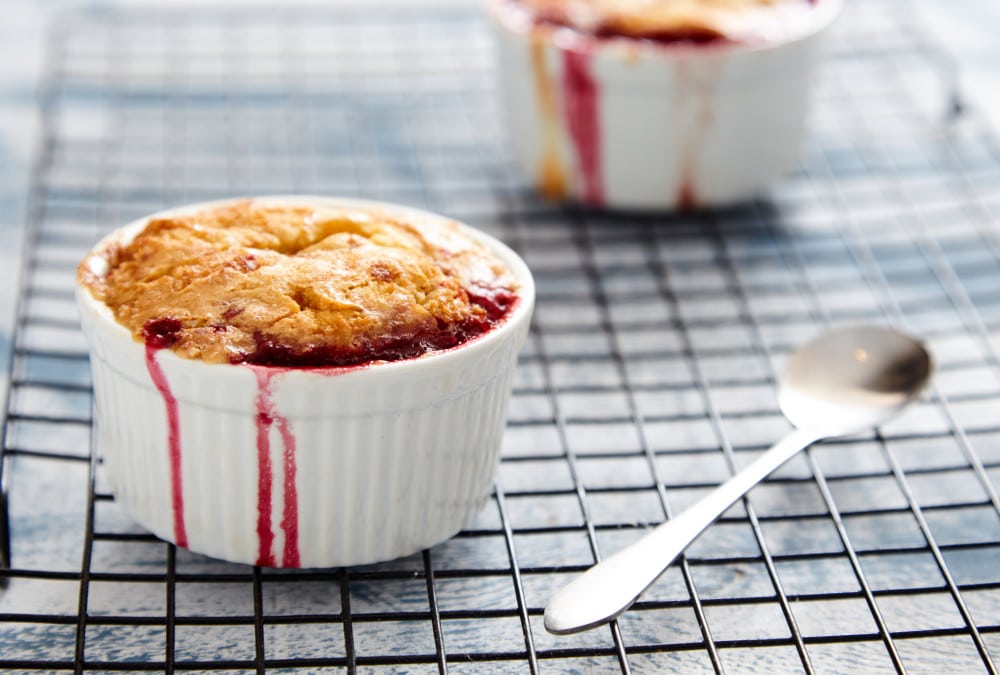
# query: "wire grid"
647,380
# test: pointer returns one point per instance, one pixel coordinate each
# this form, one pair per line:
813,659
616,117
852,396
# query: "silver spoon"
842,382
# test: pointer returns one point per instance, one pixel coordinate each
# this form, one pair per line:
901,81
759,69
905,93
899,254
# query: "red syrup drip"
290,517
581,96
700,92
173,441
266,418
687,197
681,37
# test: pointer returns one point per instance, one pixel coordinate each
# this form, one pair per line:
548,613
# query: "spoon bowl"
853,378
840,383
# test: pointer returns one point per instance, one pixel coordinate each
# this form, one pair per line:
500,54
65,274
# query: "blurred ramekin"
632,124
303,467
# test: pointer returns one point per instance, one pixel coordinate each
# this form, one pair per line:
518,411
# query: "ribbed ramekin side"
131,440
395,482
219,471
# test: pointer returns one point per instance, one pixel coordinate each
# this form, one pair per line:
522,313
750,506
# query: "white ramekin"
622,123
346,466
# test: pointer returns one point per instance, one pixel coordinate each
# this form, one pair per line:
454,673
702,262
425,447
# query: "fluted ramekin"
632,124
289,467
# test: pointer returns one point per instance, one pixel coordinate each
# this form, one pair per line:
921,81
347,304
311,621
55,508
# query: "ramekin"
632,124
303,467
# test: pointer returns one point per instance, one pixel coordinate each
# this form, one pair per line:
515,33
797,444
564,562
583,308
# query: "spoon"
843,382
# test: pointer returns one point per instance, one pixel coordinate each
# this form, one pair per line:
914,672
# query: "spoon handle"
610,587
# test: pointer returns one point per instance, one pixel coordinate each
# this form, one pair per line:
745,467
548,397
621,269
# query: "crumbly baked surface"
669,20
273,284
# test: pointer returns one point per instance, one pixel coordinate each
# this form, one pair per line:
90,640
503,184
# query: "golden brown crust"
735,20
297,285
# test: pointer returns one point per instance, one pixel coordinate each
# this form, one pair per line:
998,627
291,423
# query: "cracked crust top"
291,285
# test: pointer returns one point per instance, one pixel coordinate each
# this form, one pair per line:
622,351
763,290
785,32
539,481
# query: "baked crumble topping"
293,285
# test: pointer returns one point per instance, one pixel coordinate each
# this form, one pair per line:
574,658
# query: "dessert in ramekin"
302,381
657,104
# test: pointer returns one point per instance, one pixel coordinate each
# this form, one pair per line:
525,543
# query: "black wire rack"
648,378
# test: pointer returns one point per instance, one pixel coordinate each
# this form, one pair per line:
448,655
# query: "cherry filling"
162,332
165,332
495,302
679,36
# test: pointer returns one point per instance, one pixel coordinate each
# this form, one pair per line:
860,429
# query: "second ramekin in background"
627,123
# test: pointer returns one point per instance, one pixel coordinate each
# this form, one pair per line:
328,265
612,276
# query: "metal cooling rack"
647,379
